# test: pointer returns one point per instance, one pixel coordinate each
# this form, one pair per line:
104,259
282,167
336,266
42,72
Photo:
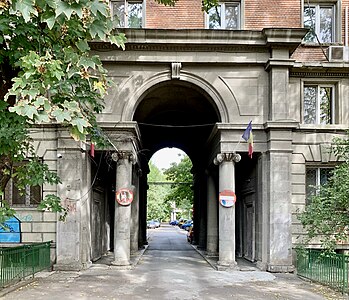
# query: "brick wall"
344,4
261,14
185,14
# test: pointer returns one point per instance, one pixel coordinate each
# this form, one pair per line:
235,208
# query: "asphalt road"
170,268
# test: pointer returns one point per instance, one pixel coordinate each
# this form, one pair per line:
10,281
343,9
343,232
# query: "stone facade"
197,89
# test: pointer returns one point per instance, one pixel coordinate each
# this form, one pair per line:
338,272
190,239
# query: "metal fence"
327,269
19,262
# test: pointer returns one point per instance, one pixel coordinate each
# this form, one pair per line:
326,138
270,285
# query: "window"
225,16
321,21
316,177
128,13
318,104
31,196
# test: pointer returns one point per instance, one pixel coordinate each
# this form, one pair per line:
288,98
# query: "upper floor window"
225,16
318,104
315,177
32,195
128,13
321,21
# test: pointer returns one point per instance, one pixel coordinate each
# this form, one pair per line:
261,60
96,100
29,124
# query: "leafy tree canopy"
157,208
181,189
47,75
327,215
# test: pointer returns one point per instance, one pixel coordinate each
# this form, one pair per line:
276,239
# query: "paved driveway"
169,269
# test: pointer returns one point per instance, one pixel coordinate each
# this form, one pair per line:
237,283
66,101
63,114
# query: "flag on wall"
248,137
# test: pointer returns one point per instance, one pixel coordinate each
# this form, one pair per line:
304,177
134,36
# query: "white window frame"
318,108
337,18
126,2
317,178
222,6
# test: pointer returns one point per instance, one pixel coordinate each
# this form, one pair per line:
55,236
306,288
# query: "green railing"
327,269
19,262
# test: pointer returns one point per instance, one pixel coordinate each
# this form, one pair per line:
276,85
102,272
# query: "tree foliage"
47,75
157,208
181,189
327,215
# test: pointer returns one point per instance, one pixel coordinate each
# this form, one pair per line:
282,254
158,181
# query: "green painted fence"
327,269
19,262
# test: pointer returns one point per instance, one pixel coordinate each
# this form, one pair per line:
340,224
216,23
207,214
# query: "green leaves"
327,215
53,203
181,191
26,9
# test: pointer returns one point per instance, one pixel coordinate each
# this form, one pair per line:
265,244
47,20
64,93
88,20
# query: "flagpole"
237,145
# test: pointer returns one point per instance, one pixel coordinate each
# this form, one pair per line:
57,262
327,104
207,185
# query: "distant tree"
157,208
327,214
181,189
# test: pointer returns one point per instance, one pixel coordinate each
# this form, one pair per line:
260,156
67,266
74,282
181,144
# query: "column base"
280,268
121,263
71,266
227,266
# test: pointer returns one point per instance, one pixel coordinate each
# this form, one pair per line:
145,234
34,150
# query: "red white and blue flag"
248,137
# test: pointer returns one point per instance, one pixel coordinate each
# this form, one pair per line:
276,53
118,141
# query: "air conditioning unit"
338,53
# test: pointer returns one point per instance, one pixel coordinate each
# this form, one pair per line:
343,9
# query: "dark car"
186,226
174,222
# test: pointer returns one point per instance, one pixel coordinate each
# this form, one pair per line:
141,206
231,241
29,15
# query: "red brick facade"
186,14
261,14
256,15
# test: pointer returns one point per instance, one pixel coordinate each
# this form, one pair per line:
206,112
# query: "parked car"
157,223
186,226
181,222
151,224
174,222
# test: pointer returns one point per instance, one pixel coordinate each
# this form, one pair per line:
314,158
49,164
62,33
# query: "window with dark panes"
320,19
315,177
32,195
128,14
225,16
318,104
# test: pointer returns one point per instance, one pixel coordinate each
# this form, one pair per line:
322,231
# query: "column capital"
226,157
124,154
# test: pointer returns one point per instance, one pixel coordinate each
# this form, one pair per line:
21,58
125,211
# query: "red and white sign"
227,198
124,196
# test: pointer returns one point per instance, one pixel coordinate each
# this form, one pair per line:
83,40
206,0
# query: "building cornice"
206,39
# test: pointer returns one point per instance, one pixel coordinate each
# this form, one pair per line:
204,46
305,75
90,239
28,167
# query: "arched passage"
182,115
176,114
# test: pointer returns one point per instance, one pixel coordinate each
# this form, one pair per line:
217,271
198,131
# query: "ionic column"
226,162
122,224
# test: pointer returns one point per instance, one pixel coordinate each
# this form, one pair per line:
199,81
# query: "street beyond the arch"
169,268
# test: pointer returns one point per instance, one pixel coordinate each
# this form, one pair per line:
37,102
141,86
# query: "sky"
164,157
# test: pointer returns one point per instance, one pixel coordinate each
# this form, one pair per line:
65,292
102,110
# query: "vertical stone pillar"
279,194
122,224
212,220
135,213
226,162
73,242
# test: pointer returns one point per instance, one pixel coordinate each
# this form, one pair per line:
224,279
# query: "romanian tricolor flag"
248,137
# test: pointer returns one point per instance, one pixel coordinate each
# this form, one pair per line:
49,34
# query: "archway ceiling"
174,115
